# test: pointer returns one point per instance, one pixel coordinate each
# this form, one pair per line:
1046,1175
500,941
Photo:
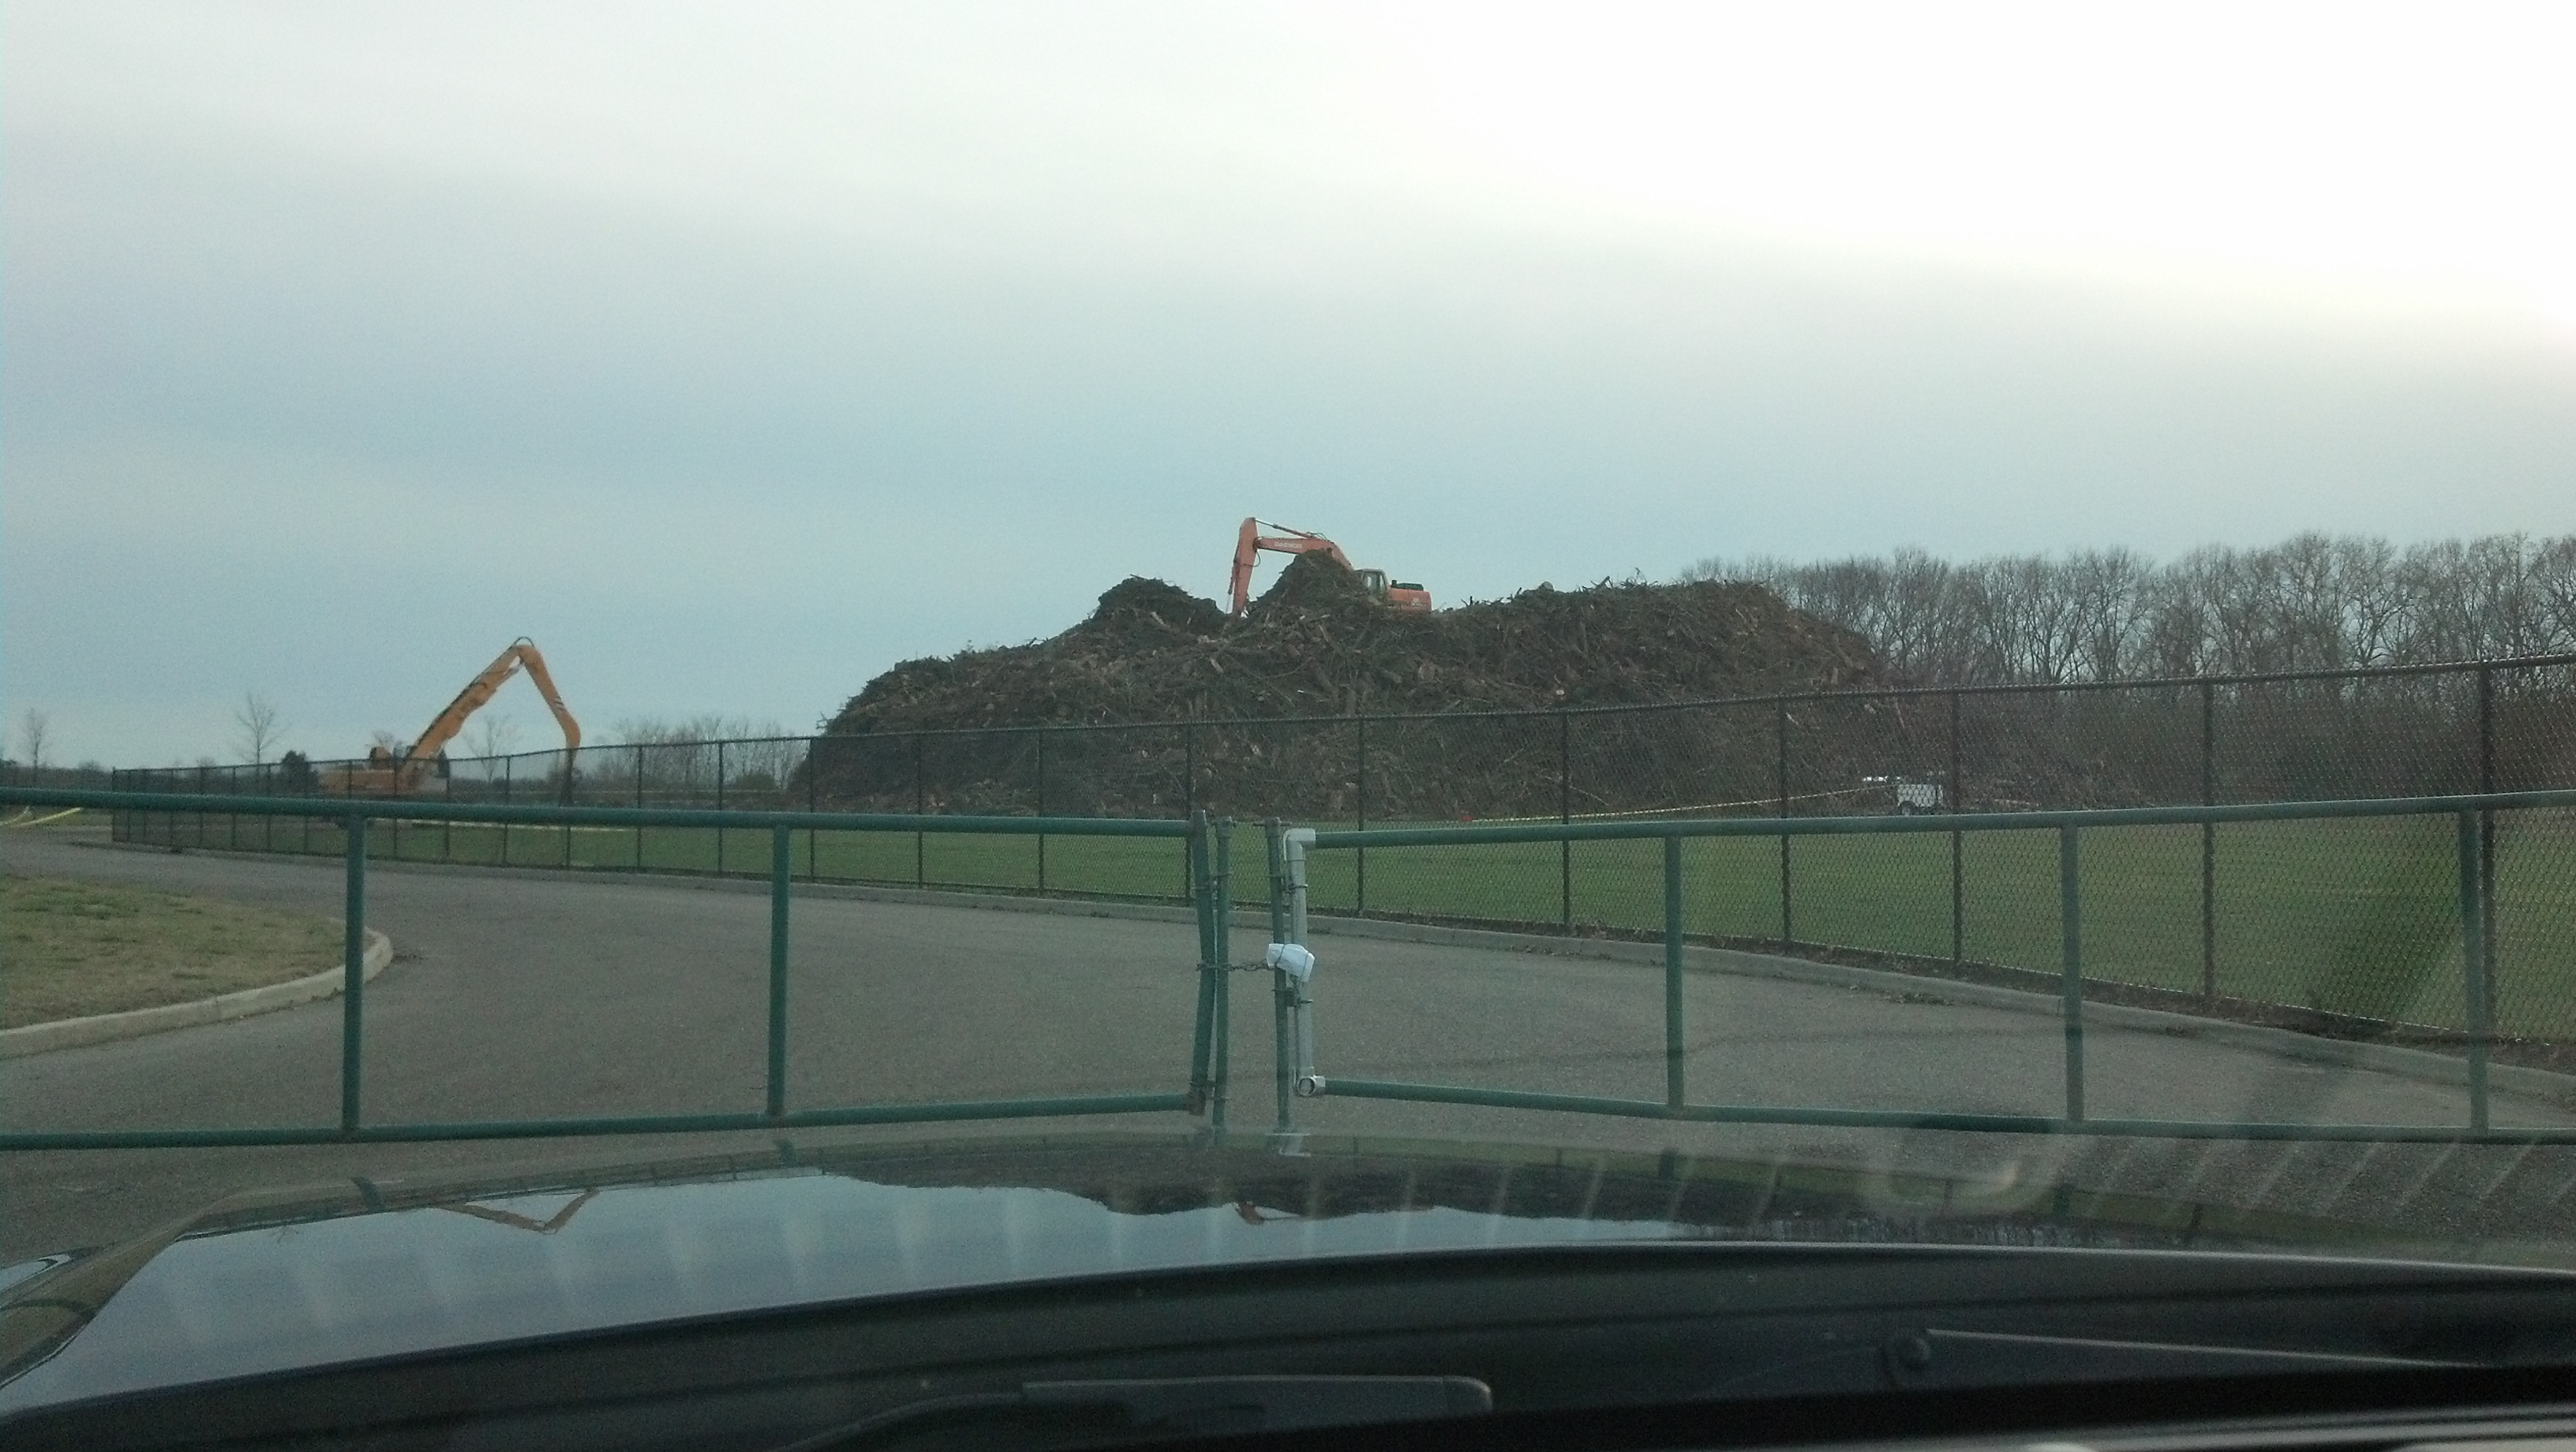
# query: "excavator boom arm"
1249,541
481,689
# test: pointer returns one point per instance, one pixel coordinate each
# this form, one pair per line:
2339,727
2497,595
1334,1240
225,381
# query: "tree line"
2313,602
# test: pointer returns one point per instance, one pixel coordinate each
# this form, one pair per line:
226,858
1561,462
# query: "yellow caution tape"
23,820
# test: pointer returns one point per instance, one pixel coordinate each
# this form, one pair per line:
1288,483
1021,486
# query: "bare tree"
35,731
495,734
2315,601
2376,605
260,726
2109,589
2553,579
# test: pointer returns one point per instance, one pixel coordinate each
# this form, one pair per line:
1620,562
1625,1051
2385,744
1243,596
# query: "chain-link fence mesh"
2395,732
2534,943
2351,922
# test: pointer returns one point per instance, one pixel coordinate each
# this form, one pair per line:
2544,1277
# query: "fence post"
353,971
1359,857
813,798
1565,818
1958,847
571,766
1297,1003
1042,735
1788,930
639,805
2487,829
2070,920
780,853
1189,801
1283,993
920,808
1194,854
2208,844
720,806
1674,1088
2473,952
509,765
1221,1031
202,789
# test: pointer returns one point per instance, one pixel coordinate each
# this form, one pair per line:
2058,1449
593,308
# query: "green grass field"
73,949
2356,917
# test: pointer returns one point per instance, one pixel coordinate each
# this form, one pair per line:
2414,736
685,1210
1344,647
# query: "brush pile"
1315,645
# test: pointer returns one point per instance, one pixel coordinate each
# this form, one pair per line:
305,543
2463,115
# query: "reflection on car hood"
358,1269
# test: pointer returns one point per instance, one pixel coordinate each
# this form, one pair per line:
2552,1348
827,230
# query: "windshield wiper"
1061,1413
1942,1360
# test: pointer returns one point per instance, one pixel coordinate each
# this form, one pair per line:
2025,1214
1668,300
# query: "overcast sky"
735,352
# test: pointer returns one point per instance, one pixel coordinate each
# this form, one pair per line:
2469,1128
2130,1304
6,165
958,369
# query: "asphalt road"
529,996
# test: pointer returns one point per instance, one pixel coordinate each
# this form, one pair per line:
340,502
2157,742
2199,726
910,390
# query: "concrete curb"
2418,1064
70,1033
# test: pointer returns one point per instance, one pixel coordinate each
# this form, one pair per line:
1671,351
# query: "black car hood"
358,1269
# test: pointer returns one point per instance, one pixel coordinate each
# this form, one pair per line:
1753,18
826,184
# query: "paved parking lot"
525,996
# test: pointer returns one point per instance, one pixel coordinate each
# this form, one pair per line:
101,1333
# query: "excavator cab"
1399,595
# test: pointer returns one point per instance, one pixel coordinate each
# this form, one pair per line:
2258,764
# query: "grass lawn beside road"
2351,917
2355,917
71,949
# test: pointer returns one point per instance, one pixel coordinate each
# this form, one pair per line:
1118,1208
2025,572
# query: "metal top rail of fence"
1208,847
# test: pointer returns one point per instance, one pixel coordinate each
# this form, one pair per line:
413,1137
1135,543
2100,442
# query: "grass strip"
71,949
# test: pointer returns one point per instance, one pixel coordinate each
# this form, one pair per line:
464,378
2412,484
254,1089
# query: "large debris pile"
1315,644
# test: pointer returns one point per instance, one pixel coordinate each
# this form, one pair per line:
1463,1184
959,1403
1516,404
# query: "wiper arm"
1070,1412
1942,1360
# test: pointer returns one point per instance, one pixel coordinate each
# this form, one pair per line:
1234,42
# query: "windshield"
719,659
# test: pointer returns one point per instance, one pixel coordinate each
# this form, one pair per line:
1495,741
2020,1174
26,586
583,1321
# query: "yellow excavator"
387,774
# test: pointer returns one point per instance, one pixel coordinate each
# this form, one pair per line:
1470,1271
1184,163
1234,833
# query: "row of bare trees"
682,755
2314,602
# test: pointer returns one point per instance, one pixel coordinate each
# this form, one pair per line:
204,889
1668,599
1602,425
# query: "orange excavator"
389,775
1249,542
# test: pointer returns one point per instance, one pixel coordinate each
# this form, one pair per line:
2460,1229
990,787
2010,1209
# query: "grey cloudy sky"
736,352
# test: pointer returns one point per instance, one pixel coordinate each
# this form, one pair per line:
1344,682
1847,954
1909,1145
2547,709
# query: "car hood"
361,1268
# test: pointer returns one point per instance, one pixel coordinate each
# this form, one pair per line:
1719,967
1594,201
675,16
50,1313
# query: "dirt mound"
1316,643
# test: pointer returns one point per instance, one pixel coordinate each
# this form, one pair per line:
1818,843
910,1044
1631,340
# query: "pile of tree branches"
1317,644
